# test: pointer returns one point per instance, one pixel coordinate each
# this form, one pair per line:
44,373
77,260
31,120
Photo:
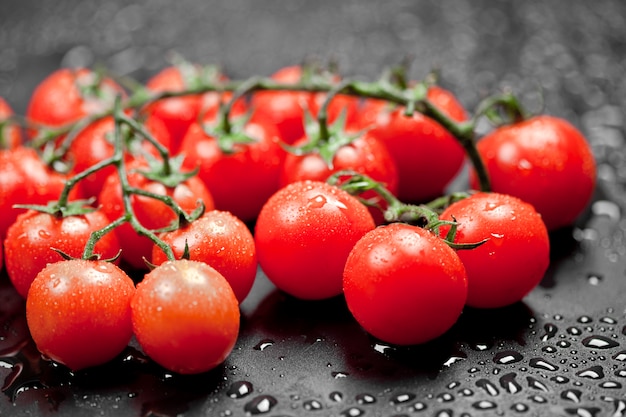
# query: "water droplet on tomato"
318,201
44,234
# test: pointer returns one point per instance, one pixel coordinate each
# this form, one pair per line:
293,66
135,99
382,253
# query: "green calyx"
62,209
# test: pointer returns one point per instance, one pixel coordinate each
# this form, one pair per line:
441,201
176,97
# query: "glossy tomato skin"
150,212
95,143
242,181
219,239
303,236
427,156
366,155
513,260
63,97
78,312
10,134
25,179
546,162
185,316
404,285
30,238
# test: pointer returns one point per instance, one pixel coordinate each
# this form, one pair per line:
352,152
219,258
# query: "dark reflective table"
562,351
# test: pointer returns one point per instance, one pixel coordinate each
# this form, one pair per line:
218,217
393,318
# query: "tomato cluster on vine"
148,212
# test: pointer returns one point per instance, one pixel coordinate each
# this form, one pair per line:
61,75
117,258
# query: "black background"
307,358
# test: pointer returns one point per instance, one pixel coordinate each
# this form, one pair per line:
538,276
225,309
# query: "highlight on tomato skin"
185,316
404,285
515,256
78,312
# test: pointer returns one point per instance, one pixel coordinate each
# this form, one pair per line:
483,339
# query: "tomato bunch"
175,195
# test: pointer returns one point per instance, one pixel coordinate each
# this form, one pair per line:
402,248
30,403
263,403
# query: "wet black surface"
560,352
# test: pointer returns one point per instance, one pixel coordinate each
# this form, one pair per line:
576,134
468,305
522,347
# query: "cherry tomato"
25,179
150,212
242,180
30,239
404,285
546,162
185,316
412,142
219,239
366,155
516,255
78,312
10,133
69,94
96,143
178,113
303,236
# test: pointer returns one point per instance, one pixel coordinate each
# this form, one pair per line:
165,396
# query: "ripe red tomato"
303,236
412,142
10,133
219,239
69,94
366,155
96,143
404,285
185,316
516,255
150,212
30,238
78,312
243,180
25,179
546,162
178,113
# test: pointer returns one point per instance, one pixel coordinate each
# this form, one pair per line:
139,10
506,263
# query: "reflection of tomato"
404,285
546,162
67,95
10,134
221,240
514,258
303,236
428,157
78,312
150,212
185,316
30,238
242,180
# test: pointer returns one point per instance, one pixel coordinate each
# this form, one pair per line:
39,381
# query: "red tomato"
30,238
516,255
546,162
96,143
78,312
10,134
413,142
25,179
404,285
185,316
178,113
69,94
150,212
303,236
366,155
243,180
221,240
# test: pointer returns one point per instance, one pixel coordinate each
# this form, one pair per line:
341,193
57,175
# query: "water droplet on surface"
263,344
507,357
239,389
550,331
352,412
574,331
611,385
484,405
336,396
520,407
607,209
508,383
403,398
445,397
594,372
599,342
573,395
260,405
594,279
560,379
536,384
338,375
540,363
620,356
312,405
488,387
365,399
583,411
419,406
